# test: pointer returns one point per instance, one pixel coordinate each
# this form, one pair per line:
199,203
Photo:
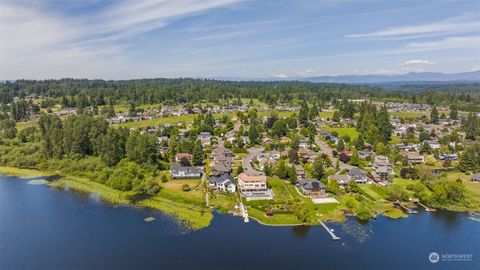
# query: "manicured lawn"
372,191
325,114
350,131
276,219
282,193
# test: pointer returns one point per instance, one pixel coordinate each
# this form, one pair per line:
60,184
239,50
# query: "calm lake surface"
44,228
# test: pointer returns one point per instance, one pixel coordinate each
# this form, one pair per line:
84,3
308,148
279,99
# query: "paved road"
324,148
247,164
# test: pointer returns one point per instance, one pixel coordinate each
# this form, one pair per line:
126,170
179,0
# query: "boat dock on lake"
408,210
334,237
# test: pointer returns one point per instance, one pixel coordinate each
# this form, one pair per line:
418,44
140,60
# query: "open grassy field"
173,190
350,131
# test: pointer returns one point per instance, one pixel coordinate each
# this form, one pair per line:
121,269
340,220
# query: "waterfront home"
180,156
254,187
222,183
381,174
358,176
384,163
178,171
342,179
476,178
311,187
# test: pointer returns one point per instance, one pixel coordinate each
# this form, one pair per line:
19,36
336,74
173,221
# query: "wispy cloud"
36,41
453,25
416,62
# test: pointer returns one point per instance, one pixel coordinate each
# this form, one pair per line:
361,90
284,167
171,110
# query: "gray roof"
175,168
310,184
220,179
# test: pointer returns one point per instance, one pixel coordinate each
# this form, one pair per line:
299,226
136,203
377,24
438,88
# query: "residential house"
221,168
254,187
300,172
180,156
383,162
414,158
303,143
178,171
205,138
311,187
358,176
342,179
448,157
222,183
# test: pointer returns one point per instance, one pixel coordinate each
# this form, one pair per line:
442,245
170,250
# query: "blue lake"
45,228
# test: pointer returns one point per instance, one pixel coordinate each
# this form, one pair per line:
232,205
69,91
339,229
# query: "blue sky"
124,39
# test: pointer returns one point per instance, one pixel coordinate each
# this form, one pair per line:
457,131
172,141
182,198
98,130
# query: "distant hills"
473,76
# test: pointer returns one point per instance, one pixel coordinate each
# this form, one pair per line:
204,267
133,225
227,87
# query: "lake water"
44,228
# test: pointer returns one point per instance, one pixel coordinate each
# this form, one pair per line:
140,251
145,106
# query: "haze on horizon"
233,38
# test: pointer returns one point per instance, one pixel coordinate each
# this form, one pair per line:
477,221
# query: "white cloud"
280,75
454,25
416,62
36,43
446,43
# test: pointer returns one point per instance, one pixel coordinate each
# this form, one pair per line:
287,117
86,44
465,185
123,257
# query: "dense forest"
83,93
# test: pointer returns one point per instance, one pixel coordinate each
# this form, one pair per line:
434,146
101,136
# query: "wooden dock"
334,237
408,210
428,209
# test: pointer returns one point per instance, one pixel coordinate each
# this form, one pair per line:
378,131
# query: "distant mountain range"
473,76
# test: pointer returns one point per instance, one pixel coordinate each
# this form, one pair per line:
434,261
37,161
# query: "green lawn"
350,131
373,191
325,114
173,190
276,219
223,202
279,188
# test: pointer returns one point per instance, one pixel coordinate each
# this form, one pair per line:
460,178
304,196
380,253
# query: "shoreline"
191,215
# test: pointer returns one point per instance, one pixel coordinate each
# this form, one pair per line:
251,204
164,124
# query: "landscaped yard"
275,219
280,190
350,131
375,192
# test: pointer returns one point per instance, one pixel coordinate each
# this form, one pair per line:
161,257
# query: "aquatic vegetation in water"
37,182
360,232
149,219
474,219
